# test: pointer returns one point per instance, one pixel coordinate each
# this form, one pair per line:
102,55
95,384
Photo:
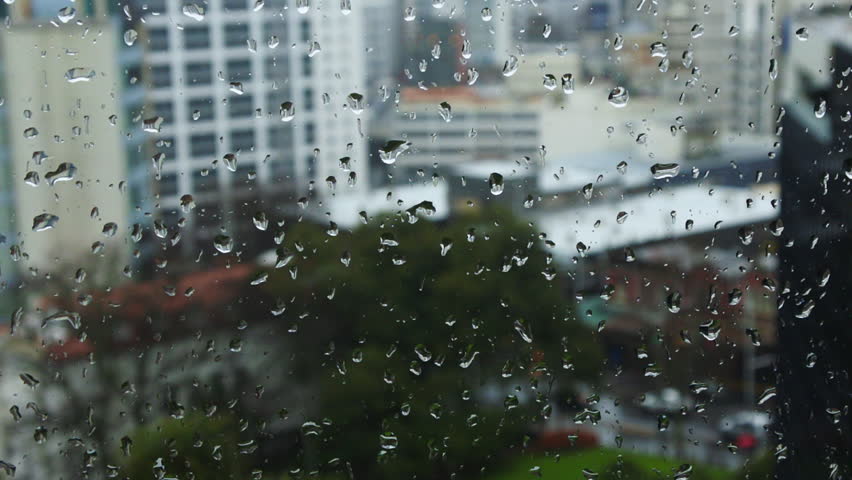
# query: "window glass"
202,144
196,37
158,39
199,73
236,35
161,76
425,239
201,109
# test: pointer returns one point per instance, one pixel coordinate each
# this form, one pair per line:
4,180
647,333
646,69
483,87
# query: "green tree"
193,447
406,325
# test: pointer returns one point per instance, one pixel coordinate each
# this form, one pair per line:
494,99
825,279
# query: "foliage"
412,340
607,463
195,445
760,468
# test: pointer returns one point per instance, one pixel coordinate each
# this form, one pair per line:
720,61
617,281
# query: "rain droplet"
409,14
45,221
223,243
659,49
392,150
64,172
619,97
194,11
446,111
66,14
673,302
72,318
287,111
495,183
79,74
152,125
130,37
511,66
664,170
697,30
355,101
618,42
820,108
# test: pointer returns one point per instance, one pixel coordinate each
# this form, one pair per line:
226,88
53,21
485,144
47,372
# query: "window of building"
241,106
242,140
236,4
165,110
310,133
239,70
168,184
204,107
203,144
236,35
161,76
196,37
199,73
205,181
158,39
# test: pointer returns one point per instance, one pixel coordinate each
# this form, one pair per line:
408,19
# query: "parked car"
667,400
745,430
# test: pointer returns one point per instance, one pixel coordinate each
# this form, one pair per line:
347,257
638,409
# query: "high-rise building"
814,385
260,101
715,58
70,152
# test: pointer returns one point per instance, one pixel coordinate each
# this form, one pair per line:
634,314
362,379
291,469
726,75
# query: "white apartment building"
724,77
219,74
483,124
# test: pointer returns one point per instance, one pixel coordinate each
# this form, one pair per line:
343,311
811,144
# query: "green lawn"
569,466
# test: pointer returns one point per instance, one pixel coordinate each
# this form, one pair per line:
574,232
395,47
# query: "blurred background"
425,239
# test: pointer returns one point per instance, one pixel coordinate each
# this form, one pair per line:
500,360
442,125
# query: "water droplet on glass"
446,111
511,66
392,150
495,183
659,49
802,34
820,108
314,49
187,203
223,243
79,74
72,318
673,302
30,132
664,170
152,125
524,330
619,97
45,221
287,111
66,14
194,11
409,14
697,30
65,171
355,101
130,37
